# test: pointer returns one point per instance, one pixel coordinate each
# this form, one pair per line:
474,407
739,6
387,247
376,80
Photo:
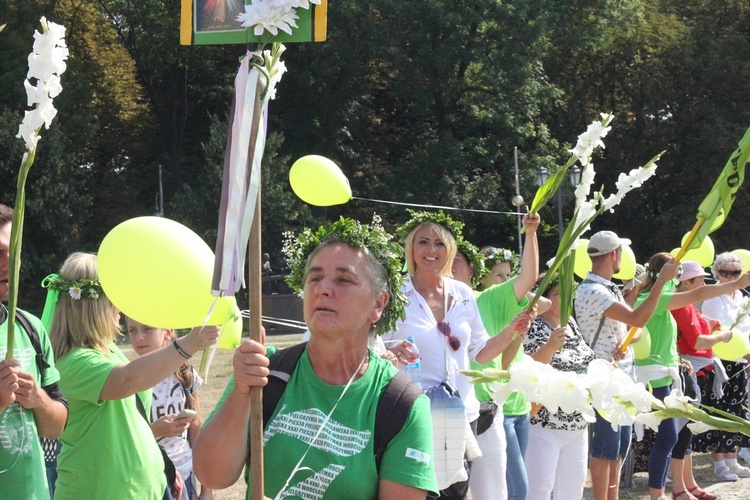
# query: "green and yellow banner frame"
214,22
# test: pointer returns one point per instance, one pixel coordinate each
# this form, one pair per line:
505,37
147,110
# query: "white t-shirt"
169,398
594,296
439,361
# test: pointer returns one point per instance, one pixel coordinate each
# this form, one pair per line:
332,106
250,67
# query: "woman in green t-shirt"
320,440
108,450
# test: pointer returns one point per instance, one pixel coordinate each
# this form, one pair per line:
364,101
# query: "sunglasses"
729,274
445,329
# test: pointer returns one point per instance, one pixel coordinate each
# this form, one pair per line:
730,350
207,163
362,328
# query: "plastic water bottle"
414,369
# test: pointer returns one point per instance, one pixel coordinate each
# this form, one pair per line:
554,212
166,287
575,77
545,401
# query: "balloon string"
437,206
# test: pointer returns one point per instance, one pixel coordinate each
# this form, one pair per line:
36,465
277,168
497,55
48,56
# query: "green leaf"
549,188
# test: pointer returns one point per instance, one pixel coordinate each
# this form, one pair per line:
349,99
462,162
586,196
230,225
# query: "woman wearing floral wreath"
443,318
319,441
728,308
557,454
660,368
108,450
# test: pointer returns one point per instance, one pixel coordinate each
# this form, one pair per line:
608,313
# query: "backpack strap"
281,366
394,407
33,334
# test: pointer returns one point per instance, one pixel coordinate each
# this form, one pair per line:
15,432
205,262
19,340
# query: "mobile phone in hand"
191,414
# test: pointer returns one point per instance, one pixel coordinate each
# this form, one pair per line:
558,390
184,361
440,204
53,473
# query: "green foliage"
418,101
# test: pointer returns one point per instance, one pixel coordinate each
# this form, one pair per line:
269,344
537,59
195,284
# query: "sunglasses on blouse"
445,329
729,274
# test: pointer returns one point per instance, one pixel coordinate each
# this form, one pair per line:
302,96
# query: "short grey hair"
723,259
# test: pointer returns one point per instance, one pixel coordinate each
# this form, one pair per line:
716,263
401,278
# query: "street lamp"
575,177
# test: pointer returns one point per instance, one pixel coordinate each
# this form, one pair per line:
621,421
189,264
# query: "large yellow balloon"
581,259
159,272
627,264
318,181
642,348
736,348
703,254
745,256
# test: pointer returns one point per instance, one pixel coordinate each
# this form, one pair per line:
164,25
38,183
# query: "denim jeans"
666,437
517,438
608,444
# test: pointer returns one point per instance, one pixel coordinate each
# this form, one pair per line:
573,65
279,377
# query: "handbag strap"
598,331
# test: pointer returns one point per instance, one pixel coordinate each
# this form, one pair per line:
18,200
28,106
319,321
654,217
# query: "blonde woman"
108,450
443,317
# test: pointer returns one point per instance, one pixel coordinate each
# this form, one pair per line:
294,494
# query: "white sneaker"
739,471
744,454
724,474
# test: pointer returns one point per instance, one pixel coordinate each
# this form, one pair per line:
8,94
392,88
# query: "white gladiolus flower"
293,4
46,64
32,122
530,377
698,427
650,420
572,389
678,401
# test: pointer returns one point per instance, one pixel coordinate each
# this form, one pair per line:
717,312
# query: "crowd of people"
345,414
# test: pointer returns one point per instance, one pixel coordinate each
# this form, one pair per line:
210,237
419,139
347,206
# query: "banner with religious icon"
215,22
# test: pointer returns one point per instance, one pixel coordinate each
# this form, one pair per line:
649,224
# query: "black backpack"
41,363
394,405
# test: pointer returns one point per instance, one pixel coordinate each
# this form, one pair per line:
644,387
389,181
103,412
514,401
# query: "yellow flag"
715,207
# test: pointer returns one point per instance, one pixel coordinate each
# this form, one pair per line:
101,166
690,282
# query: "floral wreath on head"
82,288
475,259
453,226
497,255
373,237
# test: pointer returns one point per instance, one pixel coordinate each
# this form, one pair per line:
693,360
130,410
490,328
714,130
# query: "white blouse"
439,361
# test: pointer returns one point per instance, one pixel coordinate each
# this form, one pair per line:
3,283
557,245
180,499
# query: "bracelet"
180,350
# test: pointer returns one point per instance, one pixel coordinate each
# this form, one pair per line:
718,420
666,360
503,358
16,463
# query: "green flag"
715,208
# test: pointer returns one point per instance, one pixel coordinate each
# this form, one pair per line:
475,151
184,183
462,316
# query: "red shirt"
690,324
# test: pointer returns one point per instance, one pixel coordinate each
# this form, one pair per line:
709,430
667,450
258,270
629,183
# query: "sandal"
683,495
701,494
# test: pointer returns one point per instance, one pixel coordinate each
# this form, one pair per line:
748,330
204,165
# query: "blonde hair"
445,236
83,322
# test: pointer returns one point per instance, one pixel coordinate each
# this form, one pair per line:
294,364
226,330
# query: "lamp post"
575,177
517,201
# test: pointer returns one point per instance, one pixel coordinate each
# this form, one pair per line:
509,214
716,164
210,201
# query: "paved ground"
703,472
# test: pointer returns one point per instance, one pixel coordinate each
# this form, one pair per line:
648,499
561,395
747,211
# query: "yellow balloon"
627,264
159,272
642,348
318,181
745,256
231,332
737,347
581,259
703,254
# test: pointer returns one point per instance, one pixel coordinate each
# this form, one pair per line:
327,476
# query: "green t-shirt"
21,457
341,464
497,307
663,330
108,450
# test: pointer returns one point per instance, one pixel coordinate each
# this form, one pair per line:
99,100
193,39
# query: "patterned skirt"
735,397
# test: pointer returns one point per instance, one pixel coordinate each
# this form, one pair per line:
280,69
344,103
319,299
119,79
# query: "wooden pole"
254,288
678,257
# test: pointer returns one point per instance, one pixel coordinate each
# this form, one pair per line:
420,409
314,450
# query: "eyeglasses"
726,273
445,329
